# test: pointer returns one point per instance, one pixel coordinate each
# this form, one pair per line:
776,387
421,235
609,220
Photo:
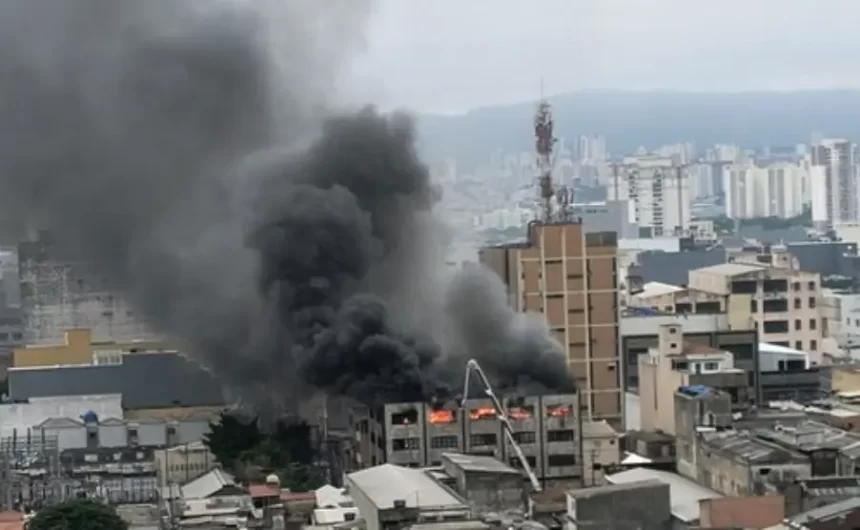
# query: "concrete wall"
643,506
76,347
742,512
75,435
742,343
182,464
491,492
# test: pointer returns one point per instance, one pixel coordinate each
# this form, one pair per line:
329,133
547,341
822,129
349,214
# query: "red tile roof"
11,521
298,496
259,491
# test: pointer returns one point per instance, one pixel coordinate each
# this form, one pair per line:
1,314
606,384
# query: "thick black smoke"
178,149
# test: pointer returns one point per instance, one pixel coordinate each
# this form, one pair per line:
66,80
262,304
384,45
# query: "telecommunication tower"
544,143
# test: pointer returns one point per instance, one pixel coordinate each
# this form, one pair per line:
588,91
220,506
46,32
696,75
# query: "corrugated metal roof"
479,463
23,416
684,494
208,484
828,511
387,483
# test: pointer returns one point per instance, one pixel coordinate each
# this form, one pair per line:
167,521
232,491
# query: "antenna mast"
544,142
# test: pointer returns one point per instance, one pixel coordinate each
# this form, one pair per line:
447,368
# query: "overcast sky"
452,55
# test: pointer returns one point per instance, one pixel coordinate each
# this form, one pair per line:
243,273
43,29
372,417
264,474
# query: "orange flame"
558,411
520,413
482,413
441,416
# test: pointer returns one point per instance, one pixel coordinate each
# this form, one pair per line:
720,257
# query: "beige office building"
570,276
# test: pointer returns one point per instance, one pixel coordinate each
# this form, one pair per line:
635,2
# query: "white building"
838,157
657,189
774,190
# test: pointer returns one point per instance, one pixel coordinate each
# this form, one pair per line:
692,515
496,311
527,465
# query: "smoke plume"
182,151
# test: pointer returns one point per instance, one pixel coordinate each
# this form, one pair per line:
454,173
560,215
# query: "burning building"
547,429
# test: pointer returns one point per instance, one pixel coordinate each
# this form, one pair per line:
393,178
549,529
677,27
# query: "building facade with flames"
547,429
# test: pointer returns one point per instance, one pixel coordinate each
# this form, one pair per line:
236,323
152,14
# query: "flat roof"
657,289
479,463
387,483
767,347
684,494
730,269
598,429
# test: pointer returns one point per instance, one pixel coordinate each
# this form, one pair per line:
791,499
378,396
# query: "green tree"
77,515
231,439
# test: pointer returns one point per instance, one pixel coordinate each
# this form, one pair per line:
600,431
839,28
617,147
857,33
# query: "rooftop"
831,486
657,289
730,269
684,494
182,382
479,463
744,445
767,347
626,486
598,429
810,435
385,484
827,512
208,484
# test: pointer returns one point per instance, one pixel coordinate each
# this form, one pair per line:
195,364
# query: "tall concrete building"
773,190
838,158
55,297
570,276
658,191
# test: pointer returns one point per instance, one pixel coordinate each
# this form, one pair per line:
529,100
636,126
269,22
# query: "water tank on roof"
89,417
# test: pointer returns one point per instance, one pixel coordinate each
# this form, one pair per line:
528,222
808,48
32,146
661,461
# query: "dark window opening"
515,462
708,308
444,442
483,439
525,437
565,435
561,460
405,418
744,287
775,326
775,306
774,286
404,444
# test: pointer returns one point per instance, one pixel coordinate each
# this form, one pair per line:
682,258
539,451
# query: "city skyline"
430,57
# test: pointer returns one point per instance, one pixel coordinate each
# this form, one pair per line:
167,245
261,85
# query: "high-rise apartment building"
838,157
774,190
56,297
658,191
570,276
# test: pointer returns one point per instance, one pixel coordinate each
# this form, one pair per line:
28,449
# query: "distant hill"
630,119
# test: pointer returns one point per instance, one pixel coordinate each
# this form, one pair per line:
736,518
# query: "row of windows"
768,286
798,344
551,460
483,439
781,326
